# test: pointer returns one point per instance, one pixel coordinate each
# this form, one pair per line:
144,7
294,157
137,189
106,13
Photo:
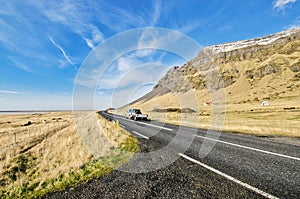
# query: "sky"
46,46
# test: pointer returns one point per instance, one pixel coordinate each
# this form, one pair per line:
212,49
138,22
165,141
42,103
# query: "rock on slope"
269,65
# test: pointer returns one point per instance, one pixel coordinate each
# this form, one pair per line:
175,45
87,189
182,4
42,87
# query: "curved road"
270,167
237,166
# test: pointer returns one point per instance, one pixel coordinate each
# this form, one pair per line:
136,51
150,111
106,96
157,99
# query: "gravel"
182,179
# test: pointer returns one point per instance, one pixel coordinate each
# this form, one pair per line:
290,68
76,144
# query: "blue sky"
43,44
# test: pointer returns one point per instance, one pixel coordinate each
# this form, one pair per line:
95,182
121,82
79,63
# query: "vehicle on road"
136,114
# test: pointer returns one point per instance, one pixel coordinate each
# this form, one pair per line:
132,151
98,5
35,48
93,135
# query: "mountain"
246,72
276,55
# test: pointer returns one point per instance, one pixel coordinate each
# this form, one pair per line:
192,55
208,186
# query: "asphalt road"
264,167
183,162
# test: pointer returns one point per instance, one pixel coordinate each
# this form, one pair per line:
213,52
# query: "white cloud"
10,92
36,101
20,65
158,38
62,51
75,16
157,11
189,27
143,74
295,24
150,46
89,43
128,86
96,37
139,74
23,38
149,39
281,4
152,40
126,63
112,19
119,19
127,95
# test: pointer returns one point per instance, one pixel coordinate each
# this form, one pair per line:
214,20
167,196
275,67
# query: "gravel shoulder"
182,179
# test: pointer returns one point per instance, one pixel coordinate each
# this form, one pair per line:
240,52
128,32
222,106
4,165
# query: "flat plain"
46,152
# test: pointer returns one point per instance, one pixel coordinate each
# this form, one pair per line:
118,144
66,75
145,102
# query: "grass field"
271,74
44,152
236,114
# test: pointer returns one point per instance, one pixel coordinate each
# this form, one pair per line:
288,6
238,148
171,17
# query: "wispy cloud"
295,24
119,19
62,51
96,37
20,65
134,75
77,17
10,92
187,27
128,62
157,12
281,4
134,83
74,15
150,46
23,38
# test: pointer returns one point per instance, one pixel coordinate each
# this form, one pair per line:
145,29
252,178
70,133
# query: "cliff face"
250,71
277,55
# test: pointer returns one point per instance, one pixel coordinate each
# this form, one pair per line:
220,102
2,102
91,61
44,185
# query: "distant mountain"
250,70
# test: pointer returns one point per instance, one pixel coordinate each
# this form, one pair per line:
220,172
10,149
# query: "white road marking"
122,126
265,194
161,127
229,143
250,148
140,135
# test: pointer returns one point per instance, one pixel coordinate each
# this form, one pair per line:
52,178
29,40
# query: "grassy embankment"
271,75
238,114
49,155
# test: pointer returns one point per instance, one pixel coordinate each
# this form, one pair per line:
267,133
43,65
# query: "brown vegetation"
44,152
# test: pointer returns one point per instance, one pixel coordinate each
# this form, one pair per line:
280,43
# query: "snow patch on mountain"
252,42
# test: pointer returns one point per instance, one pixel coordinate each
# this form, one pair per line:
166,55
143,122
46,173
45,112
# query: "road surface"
267,168
237,166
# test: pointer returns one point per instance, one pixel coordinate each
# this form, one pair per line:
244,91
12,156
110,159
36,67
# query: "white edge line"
122,126
250,148
237,145
168,129
140,135
265,194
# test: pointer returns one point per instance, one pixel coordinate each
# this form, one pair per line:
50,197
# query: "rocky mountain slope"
246,73
277,55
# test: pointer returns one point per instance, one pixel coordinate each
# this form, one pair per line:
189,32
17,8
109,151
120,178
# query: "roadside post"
117,124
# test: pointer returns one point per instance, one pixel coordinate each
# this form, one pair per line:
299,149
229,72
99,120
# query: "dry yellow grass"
35,155
242,110
269,74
